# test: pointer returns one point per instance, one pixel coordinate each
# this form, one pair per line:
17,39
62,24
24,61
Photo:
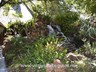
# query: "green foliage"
53,7
16,23
87,30
66,20
81,66
20,27
88,65
44,50
16,27
66,17
29,23
85,65
89,51
87,5
40,52
46,17
6,9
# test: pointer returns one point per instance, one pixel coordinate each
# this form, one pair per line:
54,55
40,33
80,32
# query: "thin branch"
10,2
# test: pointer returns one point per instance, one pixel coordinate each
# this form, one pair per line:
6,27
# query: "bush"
40,52
20,28
87,30
89,51
66,21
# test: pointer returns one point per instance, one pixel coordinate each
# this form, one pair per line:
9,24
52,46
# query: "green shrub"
82,66
19,27
89,51
40,52
87,30
66,21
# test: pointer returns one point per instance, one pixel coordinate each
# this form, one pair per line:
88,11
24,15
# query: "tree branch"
11,2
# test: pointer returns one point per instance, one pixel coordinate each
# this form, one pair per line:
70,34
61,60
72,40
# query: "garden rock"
73,57
56,66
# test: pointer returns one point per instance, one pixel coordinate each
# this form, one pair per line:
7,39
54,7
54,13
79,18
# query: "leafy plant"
66,20
87,30
40,52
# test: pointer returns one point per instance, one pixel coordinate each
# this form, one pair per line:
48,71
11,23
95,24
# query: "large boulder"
56,66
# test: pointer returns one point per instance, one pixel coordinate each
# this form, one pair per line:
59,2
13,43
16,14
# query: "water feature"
51,30
55,31
2,62
72,43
